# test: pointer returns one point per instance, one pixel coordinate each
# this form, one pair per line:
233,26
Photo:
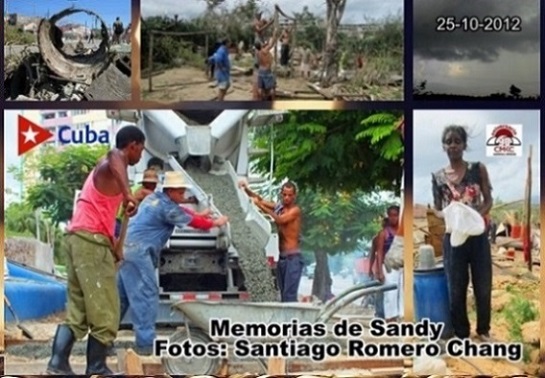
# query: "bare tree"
335,11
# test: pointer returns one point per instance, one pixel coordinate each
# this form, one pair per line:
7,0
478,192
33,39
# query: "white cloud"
357,11
507,174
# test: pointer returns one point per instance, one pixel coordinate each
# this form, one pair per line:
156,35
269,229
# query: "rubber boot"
96,358
63,342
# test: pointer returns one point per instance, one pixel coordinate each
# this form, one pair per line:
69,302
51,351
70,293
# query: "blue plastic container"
32,295
20,271
431,299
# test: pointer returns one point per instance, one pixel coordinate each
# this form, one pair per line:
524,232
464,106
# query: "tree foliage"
219,22
339,222
334,151
340,160
61,173
22,220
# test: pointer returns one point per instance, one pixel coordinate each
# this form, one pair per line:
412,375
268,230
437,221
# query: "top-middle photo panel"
252,50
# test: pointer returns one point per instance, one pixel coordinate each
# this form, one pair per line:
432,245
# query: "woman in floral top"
467,182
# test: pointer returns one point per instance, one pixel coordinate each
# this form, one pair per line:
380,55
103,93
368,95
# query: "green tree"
22,220
336,223
340,158
336,150
61,173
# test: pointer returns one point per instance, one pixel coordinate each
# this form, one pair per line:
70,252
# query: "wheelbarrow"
197,315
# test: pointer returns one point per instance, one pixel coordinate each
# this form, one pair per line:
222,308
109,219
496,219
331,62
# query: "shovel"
25,330
118,249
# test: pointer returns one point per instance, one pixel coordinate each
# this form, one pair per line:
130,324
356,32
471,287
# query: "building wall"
33,115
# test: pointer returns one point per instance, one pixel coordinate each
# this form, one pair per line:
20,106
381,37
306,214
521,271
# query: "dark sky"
476,63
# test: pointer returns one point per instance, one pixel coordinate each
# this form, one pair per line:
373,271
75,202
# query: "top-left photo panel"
67,50
274,50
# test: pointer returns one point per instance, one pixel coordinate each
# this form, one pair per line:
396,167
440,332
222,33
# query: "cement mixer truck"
211,149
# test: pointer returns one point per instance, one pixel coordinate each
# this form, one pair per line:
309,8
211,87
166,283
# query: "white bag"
461,221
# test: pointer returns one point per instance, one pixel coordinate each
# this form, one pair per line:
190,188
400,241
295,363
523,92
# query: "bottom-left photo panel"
213,242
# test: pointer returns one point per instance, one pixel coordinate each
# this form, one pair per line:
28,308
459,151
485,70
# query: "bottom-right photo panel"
476,195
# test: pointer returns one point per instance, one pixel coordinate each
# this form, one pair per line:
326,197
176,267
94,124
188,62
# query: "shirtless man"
259,26
285,48
93,300
266,82
287,216
392,300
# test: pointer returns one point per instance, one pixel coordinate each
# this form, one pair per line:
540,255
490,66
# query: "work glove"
394,258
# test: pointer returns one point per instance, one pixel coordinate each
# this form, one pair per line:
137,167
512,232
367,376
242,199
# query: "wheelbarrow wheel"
190,366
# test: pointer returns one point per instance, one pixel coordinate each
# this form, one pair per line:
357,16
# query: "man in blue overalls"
147,234
287,216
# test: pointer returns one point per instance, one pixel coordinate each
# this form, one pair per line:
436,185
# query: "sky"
356,11
477,63
108,10
10,152
507,174
10,149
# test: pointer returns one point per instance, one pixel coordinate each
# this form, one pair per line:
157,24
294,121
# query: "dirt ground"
190,83
511,279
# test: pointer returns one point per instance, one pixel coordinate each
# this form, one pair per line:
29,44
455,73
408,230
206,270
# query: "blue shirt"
152,226
222,67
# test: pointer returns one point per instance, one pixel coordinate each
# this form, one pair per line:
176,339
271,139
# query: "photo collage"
249,188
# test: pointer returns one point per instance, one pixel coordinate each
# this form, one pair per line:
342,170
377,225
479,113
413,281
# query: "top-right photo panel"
476,50
266,50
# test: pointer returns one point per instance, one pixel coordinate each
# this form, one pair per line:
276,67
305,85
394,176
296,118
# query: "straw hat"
150,175
174,179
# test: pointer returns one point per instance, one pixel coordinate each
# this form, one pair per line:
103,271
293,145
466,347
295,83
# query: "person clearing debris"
392,300
260,25
287,216
394,256
469,183
93,301
376,269
222,68
285,52
266,81
147,233
117,31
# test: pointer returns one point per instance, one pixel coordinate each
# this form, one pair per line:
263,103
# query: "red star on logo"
30,135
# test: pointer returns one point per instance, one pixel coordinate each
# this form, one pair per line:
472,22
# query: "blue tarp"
32,295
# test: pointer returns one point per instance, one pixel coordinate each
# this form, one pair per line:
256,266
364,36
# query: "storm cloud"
481,46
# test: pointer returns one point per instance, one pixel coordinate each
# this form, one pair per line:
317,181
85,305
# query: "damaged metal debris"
60,71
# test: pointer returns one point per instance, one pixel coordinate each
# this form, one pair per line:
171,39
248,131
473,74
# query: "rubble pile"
67,72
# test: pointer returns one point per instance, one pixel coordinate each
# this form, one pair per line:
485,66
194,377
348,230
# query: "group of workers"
264,80
108,274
